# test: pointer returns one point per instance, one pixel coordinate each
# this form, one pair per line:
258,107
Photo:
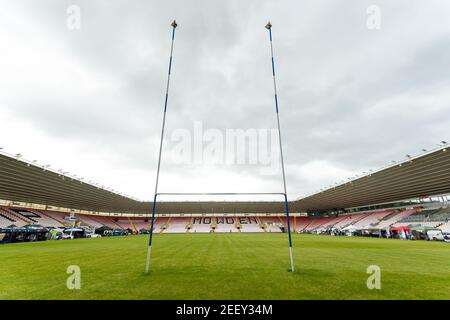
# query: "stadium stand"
300,223
46,220
139,224
381,219
271,224
5,220
392,218
371,219
21,217
249,224
159,225
107,221
225,224
445,227
124,223
90,221
201,225
320,223
142,224
56,215
176,225
434,218
349,220
17,219
326,223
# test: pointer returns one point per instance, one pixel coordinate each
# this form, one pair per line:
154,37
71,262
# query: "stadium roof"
418,177
25,182
22,181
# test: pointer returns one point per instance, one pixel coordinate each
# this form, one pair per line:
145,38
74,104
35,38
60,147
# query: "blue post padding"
165,102
276,103
273,67
153,221
286,207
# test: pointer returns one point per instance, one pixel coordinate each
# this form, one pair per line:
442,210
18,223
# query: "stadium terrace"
383,204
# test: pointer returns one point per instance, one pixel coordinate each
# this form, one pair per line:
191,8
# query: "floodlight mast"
149,251
269,27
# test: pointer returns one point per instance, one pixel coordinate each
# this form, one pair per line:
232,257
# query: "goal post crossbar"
219,193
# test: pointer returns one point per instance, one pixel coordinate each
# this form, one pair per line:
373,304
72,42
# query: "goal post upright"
149,250
286,205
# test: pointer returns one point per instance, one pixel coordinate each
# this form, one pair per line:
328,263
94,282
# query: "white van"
435,235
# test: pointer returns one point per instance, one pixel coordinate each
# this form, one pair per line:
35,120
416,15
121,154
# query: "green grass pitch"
226,266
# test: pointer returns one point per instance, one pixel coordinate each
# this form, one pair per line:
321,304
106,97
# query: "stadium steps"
394,218
445,227
440,215
299,223
16,216
106,221
57,216
337,220
7,217
88,220
333,222
5,221
132,225
190,225
260,223
264,226
165,225
386,218
306,226
389,216
117,224
46,217
354,221
280,220
31,218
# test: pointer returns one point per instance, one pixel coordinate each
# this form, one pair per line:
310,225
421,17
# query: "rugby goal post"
156,193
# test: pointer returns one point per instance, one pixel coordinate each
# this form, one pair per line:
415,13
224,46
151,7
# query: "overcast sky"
90,100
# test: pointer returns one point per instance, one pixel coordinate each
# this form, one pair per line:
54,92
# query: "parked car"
435,235
66,236
74,233
446,236
119,232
